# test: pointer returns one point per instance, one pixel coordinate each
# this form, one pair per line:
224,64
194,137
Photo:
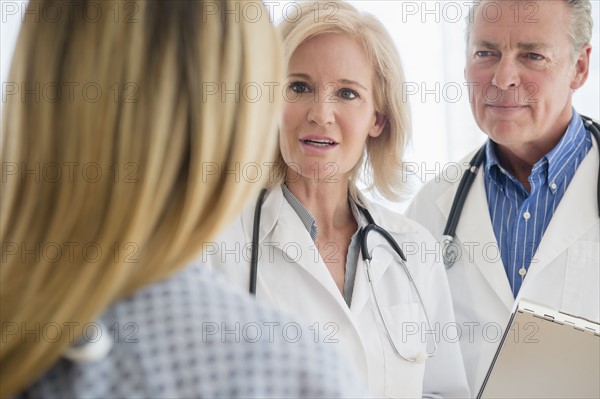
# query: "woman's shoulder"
241,226
241,346
397,223
195,335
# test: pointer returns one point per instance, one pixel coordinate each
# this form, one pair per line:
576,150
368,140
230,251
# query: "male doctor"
529,226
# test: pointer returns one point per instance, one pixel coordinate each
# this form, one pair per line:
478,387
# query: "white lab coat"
293,276
564,273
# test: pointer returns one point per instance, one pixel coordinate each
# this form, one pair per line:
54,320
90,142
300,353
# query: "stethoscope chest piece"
450,251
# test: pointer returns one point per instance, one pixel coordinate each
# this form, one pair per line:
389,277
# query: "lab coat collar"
382,258
476,234
270,211
393,222
280,221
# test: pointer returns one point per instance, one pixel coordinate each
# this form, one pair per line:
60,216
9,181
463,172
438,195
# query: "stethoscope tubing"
255,232
367,257
465,186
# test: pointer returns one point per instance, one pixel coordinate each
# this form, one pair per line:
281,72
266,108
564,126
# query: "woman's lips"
318,144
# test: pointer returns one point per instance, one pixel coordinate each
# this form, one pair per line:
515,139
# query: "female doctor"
343,116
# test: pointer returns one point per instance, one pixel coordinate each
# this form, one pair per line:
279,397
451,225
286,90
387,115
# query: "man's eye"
299,87
535,57
348,94
483,53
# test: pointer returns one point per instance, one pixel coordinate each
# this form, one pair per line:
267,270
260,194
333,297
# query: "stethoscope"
363,234
450,253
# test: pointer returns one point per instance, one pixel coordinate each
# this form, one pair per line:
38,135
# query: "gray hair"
580,31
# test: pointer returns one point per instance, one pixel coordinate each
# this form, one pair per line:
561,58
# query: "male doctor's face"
521,67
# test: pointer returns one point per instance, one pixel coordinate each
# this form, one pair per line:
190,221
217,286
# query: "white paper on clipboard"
545,354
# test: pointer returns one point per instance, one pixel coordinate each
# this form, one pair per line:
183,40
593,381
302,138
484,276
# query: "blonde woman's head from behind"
134,156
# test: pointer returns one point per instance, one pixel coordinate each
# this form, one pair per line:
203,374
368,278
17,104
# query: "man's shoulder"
424,206
448,178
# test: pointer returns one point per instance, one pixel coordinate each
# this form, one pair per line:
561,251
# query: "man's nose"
506,75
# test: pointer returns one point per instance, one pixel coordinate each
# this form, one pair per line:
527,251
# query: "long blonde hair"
119,167
381,165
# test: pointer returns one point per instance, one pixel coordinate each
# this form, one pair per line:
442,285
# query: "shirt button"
522,272
526,215
553,186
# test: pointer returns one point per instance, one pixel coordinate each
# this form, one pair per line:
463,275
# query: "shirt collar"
361,220
308,220
558,158
493,168
554,160
490,157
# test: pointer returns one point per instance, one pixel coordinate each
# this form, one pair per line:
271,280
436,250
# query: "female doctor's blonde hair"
114,172
381,165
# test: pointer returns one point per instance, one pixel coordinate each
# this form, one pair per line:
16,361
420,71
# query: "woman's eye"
299,87
348,94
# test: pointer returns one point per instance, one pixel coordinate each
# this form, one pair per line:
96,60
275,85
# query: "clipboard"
545,354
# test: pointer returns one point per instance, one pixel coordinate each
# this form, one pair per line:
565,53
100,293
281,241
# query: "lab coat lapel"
476,234
575,215
270,211
281,229
297,247
381,261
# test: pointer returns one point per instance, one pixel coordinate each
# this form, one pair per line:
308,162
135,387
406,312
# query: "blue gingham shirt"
194,335
520,218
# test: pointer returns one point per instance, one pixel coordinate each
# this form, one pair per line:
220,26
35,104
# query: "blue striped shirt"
520,218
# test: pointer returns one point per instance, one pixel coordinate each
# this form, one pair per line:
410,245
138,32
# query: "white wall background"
430,38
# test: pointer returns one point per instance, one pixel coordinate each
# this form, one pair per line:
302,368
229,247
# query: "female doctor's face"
329,108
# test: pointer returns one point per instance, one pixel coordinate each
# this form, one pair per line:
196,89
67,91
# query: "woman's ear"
380,122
